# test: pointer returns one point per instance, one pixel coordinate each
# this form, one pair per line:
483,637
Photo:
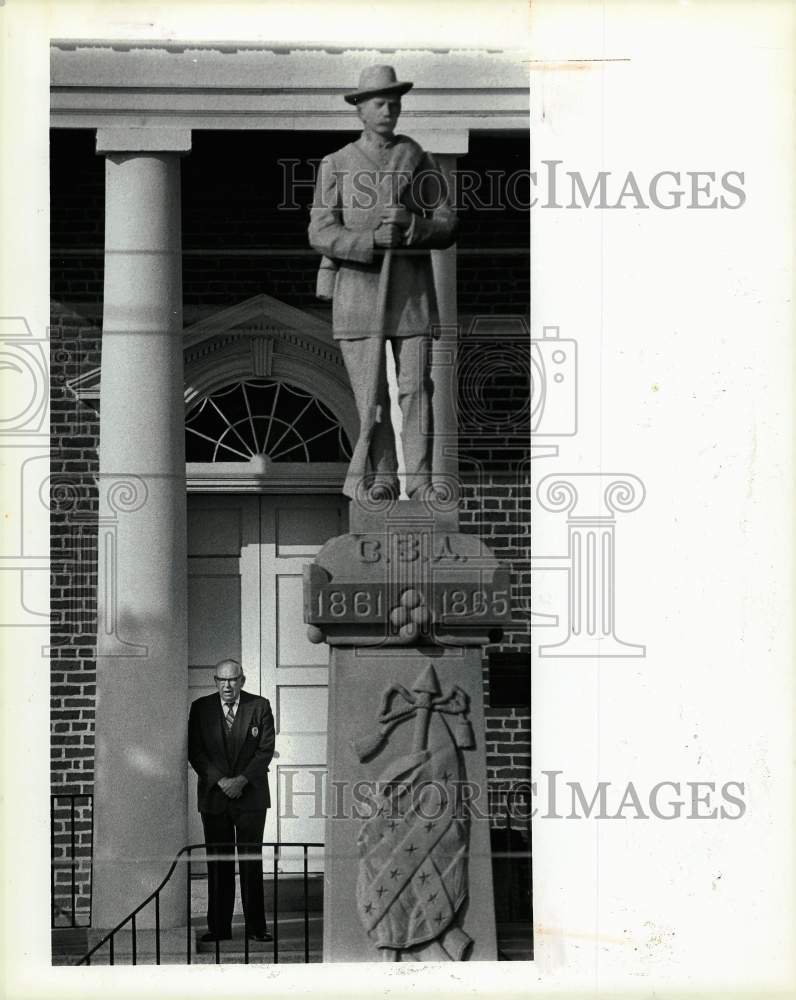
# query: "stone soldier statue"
381,203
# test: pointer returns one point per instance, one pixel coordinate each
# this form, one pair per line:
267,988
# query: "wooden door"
223,601
294,671
245,560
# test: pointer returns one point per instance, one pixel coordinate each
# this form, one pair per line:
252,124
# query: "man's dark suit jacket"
252,747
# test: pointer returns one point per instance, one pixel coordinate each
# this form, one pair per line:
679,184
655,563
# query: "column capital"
143,140
441,141
591,496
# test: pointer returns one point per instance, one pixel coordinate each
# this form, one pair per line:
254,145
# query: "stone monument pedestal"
406,603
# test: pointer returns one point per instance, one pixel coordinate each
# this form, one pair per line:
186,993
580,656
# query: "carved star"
438,919
430,825
368,907
447,776
392,824
394,873
381,890
411,849
424,877
433,896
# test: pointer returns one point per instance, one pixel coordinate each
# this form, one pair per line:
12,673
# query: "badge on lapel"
255,731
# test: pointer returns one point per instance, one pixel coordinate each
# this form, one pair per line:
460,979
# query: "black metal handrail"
154,897
55,863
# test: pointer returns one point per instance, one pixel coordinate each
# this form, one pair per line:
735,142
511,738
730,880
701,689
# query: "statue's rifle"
359,459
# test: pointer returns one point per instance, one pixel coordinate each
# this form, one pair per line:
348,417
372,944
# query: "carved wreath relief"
413,850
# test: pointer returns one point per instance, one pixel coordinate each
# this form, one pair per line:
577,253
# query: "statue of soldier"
381,203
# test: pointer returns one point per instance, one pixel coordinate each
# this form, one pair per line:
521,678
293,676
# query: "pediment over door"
287,361
279,369
265,338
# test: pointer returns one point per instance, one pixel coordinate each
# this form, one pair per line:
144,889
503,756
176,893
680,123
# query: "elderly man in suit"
230,746
381,203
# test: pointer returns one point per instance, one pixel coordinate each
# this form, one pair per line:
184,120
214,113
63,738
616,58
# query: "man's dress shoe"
261,936
210,936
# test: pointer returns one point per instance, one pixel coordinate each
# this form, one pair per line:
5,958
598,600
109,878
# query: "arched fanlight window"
262,417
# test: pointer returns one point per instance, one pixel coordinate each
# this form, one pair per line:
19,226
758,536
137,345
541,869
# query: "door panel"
215,611
293,648
216,524
301,530
301,708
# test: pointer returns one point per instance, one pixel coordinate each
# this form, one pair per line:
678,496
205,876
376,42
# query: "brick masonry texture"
244,233
74,429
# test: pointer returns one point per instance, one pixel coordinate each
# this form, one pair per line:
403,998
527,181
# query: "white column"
140,800
444,354
446,147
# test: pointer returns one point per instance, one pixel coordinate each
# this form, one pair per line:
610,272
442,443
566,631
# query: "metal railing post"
276,903
72,841
157,929
306,906
52,861
72,861
188,910
90,804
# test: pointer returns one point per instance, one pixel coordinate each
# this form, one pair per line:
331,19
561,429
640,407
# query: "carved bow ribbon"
426,697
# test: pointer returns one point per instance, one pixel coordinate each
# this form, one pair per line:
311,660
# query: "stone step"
174,944
291,939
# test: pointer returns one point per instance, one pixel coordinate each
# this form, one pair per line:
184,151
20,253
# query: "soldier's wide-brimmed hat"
378,80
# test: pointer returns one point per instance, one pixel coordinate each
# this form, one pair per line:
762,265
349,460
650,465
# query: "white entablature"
190,85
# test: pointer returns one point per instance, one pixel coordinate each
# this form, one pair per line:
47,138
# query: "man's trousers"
365,361
222,832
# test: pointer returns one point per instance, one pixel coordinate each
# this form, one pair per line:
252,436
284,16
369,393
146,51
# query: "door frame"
289,478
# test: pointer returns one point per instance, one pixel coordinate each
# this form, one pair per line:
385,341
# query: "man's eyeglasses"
228,680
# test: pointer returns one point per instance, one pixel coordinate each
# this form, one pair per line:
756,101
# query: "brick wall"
74,428
239,242
494,450
498,509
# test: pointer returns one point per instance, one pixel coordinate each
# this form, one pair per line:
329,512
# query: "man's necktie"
229,718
